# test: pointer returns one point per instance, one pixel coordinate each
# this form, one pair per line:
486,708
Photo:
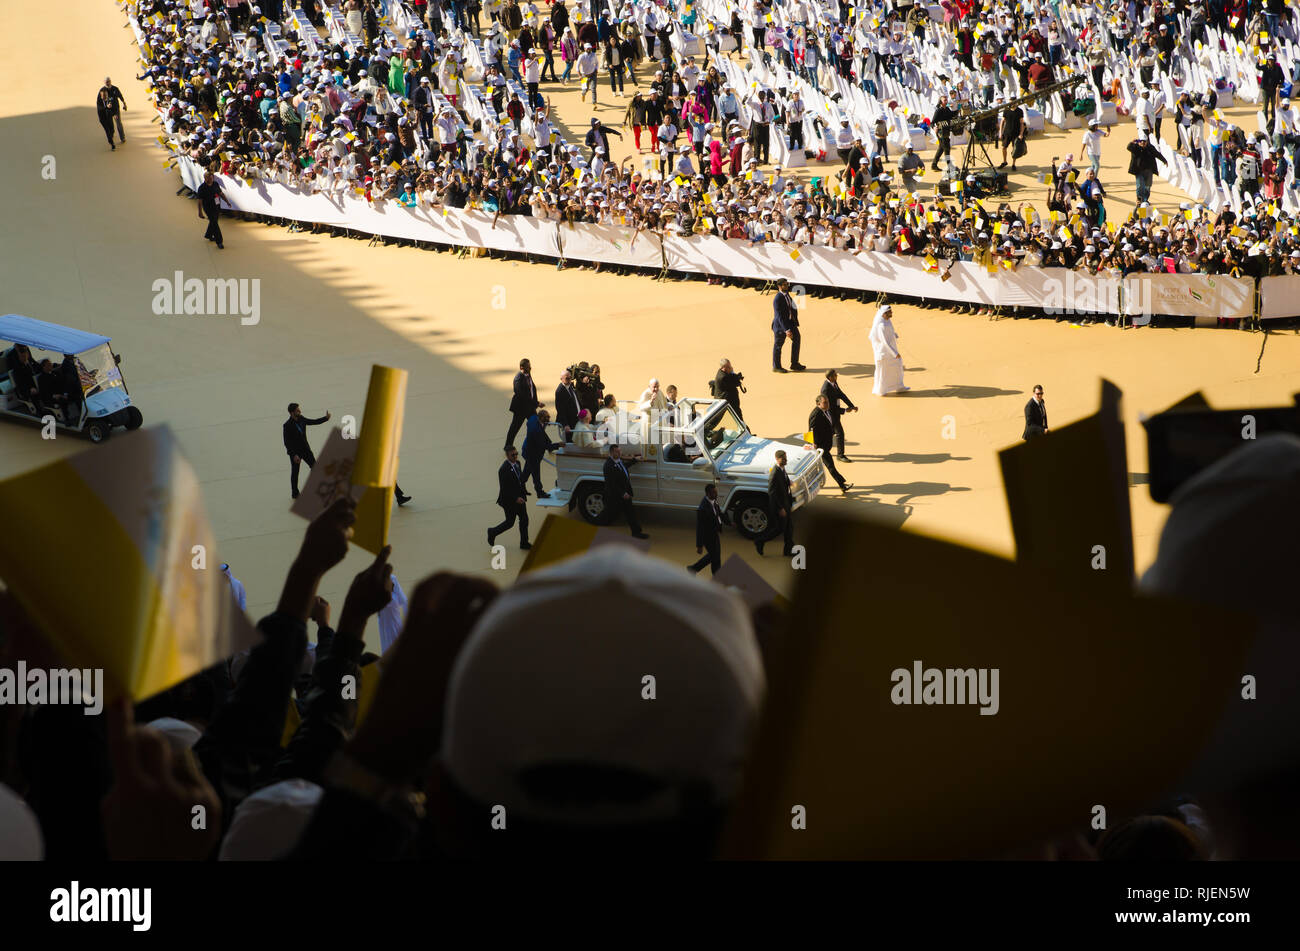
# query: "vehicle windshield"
98,370
721,431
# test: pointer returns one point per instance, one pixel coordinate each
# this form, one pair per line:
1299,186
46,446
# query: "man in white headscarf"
236,587
889,364
392,617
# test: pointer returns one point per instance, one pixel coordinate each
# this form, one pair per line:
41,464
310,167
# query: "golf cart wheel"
134,418
99,430
751,518
591,505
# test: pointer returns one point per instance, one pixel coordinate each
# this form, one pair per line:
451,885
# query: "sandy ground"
85,248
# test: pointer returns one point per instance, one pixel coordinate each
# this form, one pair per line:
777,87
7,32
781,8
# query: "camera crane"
972,120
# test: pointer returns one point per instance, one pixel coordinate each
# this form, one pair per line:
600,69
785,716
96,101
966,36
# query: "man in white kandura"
889,365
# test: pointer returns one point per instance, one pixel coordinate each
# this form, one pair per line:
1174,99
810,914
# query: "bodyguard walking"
106,106
512,495
822,426
785,325
709,519
524,401
208,193
834,395
295,442
780,508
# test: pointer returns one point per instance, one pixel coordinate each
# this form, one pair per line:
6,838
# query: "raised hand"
160,807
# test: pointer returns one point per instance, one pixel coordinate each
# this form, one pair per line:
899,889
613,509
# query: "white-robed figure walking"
392,617
889,364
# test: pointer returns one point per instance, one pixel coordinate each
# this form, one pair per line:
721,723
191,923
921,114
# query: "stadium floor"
84,249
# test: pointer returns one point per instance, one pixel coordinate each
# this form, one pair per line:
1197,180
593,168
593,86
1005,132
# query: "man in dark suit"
567,404
295,442
618,488
1035,416
512,495
785,324
831,390
22,374
780,503
823,427
536,445
727,385
709,519
49,385
524,401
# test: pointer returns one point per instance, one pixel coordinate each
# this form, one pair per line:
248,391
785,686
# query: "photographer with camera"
940,122
728,385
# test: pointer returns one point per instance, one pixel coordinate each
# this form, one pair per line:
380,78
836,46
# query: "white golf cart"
87,395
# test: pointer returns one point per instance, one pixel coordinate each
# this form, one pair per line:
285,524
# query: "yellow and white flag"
127,516
362,466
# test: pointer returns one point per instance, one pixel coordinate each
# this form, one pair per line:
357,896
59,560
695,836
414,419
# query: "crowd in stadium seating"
385,117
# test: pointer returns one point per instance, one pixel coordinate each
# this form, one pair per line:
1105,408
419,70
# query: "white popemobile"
711,444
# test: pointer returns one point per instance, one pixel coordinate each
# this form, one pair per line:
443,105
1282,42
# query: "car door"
681,483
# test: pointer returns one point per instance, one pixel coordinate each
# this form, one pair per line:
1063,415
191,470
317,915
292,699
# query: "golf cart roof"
43,336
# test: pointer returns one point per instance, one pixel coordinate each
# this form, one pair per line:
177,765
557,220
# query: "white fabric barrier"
611,245
518,233
1194,295
1279,296
1189,295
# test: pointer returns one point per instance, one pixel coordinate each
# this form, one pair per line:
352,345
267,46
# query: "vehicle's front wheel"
751,518
134,418
99,430
590,503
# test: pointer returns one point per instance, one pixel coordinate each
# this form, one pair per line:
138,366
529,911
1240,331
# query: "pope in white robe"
889,364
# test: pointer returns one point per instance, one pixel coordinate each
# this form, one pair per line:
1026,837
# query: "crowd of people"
491,709
387,119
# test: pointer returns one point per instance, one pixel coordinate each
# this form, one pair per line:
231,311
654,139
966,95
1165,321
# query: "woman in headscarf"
889,363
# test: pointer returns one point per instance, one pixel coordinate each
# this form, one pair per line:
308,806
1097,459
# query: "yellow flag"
134,511
377,448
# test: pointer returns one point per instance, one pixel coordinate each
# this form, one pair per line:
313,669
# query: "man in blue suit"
785,324
537,445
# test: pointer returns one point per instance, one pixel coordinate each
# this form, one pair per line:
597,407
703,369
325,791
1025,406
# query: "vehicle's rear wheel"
99,430
590,503
751,518
134,418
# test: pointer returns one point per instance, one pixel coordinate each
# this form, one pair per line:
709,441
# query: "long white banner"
1279,296
1059,289
1189,295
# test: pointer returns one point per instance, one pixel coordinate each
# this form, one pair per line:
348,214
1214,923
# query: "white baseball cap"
552,675
268,824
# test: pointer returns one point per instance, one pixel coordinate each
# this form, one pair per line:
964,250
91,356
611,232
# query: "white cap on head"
20,833
551,676
1246,506
268,824
181,735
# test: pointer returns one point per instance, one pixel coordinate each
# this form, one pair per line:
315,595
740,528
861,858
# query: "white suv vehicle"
712,445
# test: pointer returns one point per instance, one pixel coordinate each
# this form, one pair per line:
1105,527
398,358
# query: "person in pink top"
692,107
717,155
